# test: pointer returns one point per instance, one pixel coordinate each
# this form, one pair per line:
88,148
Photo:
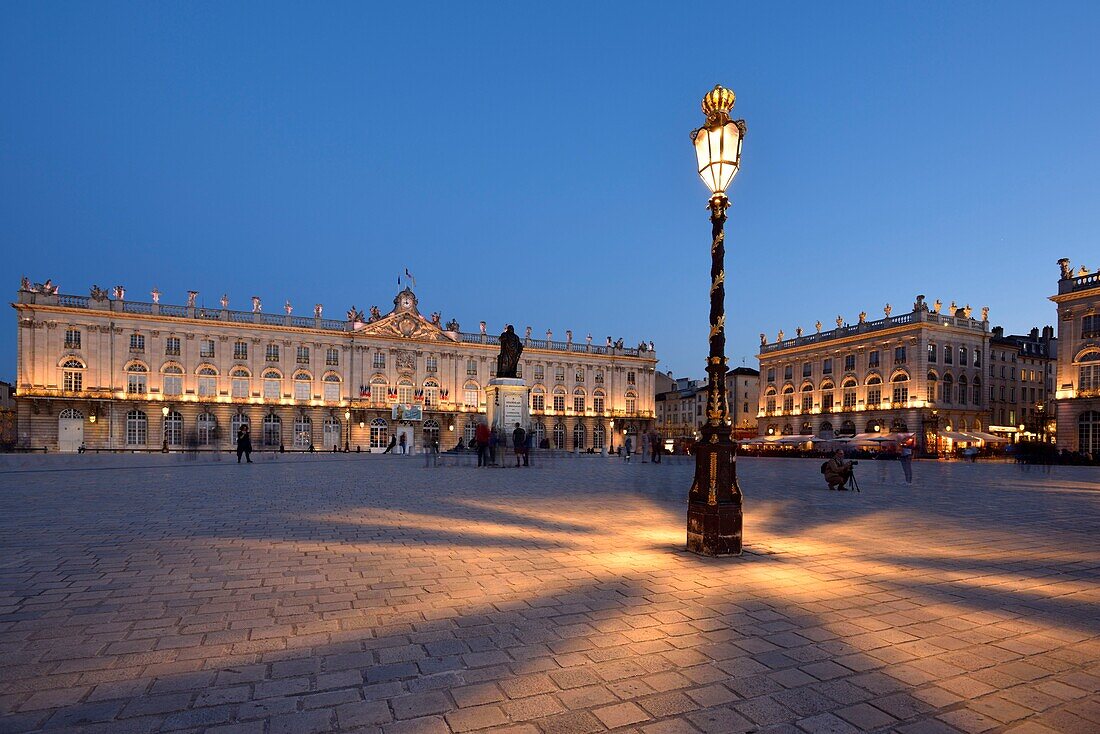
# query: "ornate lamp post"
714,518
347,441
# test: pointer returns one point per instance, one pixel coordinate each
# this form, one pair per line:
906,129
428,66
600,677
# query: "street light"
164,431
612,450
347,441
714,519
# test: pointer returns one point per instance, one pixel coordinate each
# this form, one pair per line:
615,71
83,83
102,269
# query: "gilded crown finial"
717,104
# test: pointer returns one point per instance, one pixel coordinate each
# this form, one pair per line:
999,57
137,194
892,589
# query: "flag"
410,278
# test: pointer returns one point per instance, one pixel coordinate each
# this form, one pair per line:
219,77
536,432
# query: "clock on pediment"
405,301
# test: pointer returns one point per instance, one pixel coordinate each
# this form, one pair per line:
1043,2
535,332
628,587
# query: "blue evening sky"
530,163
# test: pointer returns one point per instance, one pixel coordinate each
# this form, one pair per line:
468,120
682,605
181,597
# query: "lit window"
271,354
240,350
598,401
137,343
559,399
379,433
431,364
72,338
73,375
272,385
404,391
137,379
470,395
303,432
538,399
332,388
539,373
578,400
172,346
631,403
208,382
172,381
173,428
302,355
137,428
240,383
332,357
431,393
302,386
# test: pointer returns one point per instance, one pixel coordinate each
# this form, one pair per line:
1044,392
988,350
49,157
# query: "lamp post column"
714,521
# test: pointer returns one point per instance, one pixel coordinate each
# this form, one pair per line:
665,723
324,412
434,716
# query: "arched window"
559,399
847,428
827,396
901,388
240,420
240,380
137,428
379,433
137,379
873,426
874,391
772,429
538,398
598,401
769,400
849,397
303,385
173,428
171,379
579,396
330,386
431,433
559,435
807,398
826,427
578,437
977,391
71,414
431,398
963,387
404,390
273,384
807,428
72,375
898,426
788,429
208,381
471,394
598,436
540,434
469,432
273,430
788,398
379,389
207,429
303,432
931,392
1088,372
631,402
947,388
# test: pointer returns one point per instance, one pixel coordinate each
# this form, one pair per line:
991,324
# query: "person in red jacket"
481,435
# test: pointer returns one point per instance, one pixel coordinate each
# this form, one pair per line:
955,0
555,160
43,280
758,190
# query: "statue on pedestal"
225,301
1067,270
257,304
155,293
510,349
191,298
318,309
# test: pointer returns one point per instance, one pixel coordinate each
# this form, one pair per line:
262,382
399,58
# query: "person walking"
906,459
389,448
494,441
481,435
519,442
403,443
654,447
244,444
628,449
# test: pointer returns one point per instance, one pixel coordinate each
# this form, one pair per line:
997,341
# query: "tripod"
852,480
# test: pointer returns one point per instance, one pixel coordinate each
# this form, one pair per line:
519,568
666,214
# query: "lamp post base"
714,517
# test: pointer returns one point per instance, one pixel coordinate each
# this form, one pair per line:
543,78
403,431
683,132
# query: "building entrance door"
407,432
332,435
70,430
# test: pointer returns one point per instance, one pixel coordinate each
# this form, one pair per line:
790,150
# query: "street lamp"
347,441
164,429
612,449
714,519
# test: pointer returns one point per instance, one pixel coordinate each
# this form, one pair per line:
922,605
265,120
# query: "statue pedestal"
507,402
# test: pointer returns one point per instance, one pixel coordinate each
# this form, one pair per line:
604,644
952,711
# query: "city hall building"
914,373
110,373
1077,392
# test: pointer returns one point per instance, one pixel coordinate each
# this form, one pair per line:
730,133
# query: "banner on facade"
407,412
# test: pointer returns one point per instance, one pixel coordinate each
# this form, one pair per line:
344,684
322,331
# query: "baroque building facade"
116,374
919,372
1077,394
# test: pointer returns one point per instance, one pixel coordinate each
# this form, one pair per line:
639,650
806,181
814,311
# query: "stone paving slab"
374,594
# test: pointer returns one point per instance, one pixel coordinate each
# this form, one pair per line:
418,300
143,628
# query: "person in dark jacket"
393,442
481,435
519,442
244,444
837,471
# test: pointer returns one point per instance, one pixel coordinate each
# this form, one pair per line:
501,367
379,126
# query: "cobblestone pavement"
146,594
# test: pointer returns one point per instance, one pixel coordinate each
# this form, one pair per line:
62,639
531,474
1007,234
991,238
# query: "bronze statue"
510,349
